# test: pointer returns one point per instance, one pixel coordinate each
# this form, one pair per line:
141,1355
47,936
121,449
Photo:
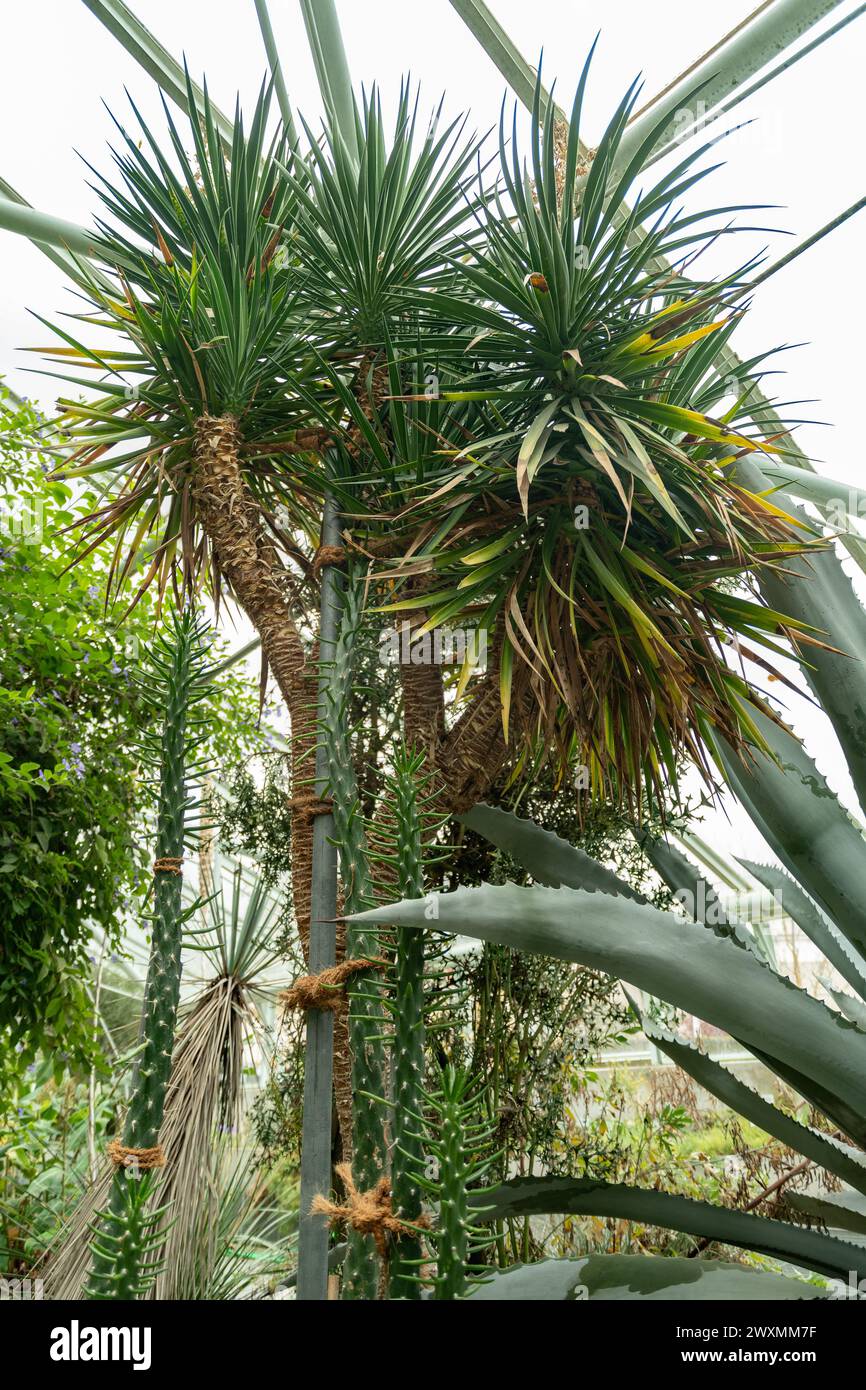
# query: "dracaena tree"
579,504
241,300
562,484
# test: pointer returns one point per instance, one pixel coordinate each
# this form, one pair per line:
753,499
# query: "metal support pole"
45,230
319,1056
156,60
768,75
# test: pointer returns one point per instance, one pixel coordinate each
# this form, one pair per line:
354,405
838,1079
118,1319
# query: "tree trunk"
244,554
466,759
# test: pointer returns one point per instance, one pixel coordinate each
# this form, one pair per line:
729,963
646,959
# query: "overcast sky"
804,150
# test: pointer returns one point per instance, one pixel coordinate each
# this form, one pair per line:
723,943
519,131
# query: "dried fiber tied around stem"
335,556
327,989
369,1213
124,1156
306,806
169,864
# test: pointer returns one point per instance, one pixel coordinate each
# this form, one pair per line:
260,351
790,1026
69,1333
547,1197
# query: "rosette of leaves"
196,421
586,514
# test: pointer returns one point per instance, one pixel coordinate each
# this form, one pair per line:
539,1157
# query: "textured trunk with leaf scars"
245,555
467,759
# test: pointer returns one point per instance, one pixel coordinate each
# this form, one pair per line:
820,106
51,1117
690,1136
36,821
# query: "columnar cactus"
457,1156
126,1241
360,1269
407,827
127,1246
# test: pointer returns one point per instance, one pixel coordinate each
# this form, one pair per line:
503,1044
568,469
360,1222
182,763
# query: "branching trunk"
468,759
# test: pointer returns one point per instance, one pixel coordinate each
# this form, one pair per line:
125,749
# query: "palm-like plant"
379,219
196,419
222,1031
219,276
560,484
585,514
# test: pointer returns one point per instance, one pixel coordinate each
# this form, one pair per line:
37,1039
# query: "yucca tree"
195,416
586,515
196,428
248,294
557,480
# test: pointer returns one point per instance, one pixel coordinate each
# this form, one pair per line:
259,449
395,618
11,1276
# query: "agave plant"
710,967
585,914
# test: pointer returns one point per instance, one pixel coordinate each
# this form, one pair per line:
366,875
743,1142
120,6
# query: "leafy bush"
72,804
68,758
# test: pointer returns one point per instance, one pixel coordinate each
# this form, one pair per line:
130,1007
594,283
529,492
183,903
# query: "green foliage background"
73,803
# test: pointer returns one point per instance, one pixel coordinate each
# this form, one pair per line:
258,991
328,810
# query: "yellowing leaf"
677,344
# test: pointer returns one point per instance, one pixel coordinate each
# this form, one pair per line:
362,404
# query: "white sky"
805,151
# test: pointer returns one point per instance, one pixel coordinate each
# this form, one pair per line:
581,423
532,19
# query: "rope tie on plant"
306,805
334,555
327,989
169,864
369,1213
124,1156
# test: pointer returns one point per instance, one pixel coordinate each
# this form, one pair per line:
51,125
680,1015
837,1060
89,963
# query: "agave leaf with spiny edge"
655,1277
817,591
551,860
810,919
555,1196
804,823
853,1009
694,894
708,975
813,487
845,1210
837,1157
